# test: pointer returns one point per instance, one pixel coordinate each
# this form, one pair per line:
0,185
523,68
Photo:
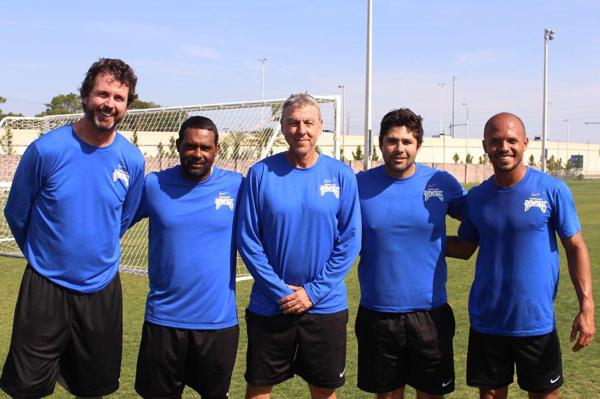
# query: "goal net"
248,132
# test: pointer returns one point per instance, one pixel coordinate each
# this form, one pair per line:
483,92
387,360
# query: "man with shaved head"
514,217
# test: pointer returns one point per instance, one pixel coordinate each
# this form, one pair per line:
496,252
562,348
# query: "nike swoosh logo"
342,373
553,380
445,384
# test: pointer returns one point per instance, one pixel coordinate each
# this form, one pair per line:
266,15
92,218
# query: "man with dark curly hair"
74,194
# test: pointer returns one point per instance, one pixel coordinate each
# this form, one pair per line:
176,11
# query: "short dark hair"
199,122
402,117
117,68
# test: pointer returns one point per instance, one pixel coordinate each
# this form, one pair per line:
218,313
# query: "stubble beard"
92,117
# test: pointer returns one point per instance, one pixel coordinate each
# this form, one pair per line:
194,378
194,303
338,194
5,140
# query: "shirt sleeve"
457,198
564,214
249,242
26,185
132,198
467,230
347,245
142,210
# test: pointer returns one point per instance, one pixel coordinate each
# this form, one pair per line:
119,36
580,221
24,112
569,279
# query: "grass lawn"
581,370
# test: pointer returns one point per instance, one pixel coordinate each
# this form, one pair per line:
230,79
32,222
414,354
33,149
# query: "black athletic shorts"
171,358
414,348
59,331
312,346
491,360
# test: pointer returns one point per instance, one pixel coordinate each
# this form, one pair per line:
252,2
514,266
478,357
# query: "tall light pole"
441,106
467,132
548,35
343,116
453,90
568,121
262,109
368,84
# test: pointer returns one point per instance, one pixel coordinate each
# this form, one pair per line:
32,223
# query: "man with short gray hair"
299,233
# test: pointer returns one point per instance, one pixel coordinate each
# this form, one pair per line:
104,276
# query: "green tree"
2,114
456,157
134,138
374,156
469,158
483,159
160,152
358,155
173,147
6,142
531,161
63,104
140,104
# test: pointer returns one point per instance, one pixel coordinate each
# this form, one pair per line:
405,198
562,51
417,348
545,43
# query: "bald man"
514,217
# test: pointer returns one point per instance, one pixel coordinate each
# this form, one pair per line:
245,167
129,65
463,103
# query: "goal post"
248,132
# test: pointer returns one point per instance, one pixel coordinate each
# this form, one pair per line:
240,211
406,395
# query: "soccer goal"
248,132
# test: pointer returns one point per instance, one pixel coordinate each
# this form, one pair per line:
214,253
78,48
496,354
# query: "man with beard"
74,194
299,234
405,325
514,217
190,333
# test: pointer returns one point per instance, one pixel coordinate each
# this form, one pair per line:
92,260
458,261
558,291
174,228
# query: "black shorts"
171,358
312,346
491,360
414,348
59,331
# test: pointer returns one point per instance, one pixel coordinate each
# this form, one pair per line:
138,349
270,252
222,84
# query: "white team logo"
535,202
224,199
433,192
330,186
121,174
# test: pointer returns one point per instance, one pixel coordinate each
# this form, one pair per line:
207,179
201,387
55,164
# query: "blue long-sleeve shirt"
69,204
300,227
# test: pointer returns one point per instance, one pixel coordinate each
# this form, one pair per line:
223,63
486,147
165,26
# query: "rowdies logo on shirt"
224,199
535,201
121,174
330,186
433,191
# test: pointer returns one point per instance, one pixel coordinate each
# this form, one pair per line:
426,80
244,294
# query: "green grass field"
581,370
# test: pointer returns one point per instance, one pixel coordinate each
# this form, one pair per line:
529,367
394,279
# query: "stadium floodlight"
548,35
368,87
441,85
465,104
262,84
343,114
568,122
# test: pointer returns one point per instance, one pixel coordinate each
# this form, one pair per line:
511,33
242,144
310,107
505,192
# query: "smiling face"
301,127
106,104
505,142
399,148
197,151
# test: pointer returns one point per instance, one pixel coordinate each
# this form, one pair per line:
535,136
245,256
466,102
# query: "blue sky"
194,52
